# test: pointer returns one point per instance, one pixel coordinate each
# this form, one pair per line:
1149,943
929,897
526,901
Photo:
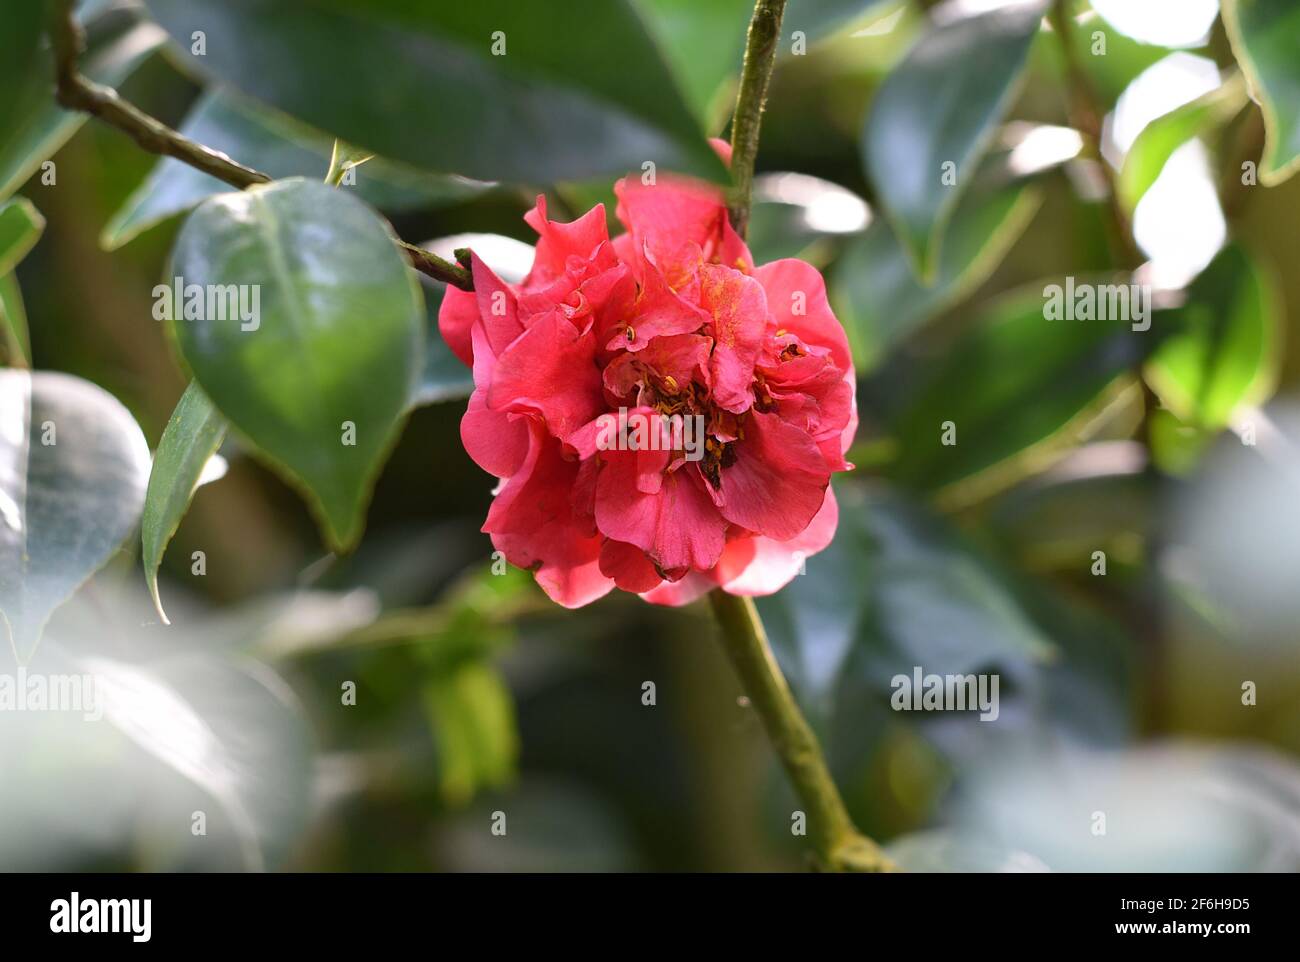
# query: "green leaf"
73,467
895,589
472,717
1164,135
1015,380
320,378
572,89
21,225
704,44
191,437
14,338
274,144
1225,354
878,298
1263,34
35,126
939,107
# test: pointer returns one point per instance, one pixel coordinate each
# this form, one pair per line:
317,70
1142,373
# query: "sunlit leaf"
1224,355
1263,36
15,342
1164,135
188,442
21,225
73,468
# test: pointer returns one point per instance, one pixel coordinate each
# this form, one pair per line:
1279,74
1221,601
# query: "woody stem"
840,847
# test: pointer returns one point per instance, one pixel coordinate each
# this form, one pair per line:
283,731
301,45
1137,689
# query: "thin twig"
75,91
760,57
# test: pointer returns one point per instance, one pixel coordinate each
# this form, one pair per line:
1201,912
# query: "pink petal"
766,566
456,315
533,522
678,526
549,369
739,311
777,482
796,296
628,566
558,242
497,308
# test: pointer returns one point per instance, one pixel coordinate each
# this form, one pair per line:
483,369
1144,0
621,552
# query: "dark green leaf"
895,589
321,379
1225,354
877,296
21,225
35,126
577,89
1014,381
1264,36
937,108
73,467
274,144
191,437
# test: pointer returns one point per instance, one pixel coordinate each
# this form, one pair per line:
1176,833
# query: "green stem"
76,91
760,57
839,845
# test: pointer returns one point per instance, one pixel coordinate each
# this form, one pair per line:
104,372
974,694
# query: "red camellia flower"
663,415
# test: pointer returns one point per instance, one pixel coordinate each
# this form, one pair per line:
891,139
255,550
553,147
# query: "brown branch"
76,91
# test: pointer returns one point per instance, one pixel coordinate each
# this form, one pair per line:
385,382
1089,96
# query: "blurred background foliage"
1121,692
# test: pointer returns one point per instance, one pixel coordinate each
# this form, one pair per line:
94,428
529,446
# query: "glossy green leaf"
73,467
1015,380
895,589
34,125
1225,354
21,225
1264,35
877,296
933,117
15,342
191,437
491,89
274,144
321,374
1160,138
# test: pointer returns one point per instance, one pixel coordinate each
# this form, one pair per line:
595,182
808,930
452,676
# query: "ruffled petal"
677,525
532,521
777,480
549,369
762,566
738,309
